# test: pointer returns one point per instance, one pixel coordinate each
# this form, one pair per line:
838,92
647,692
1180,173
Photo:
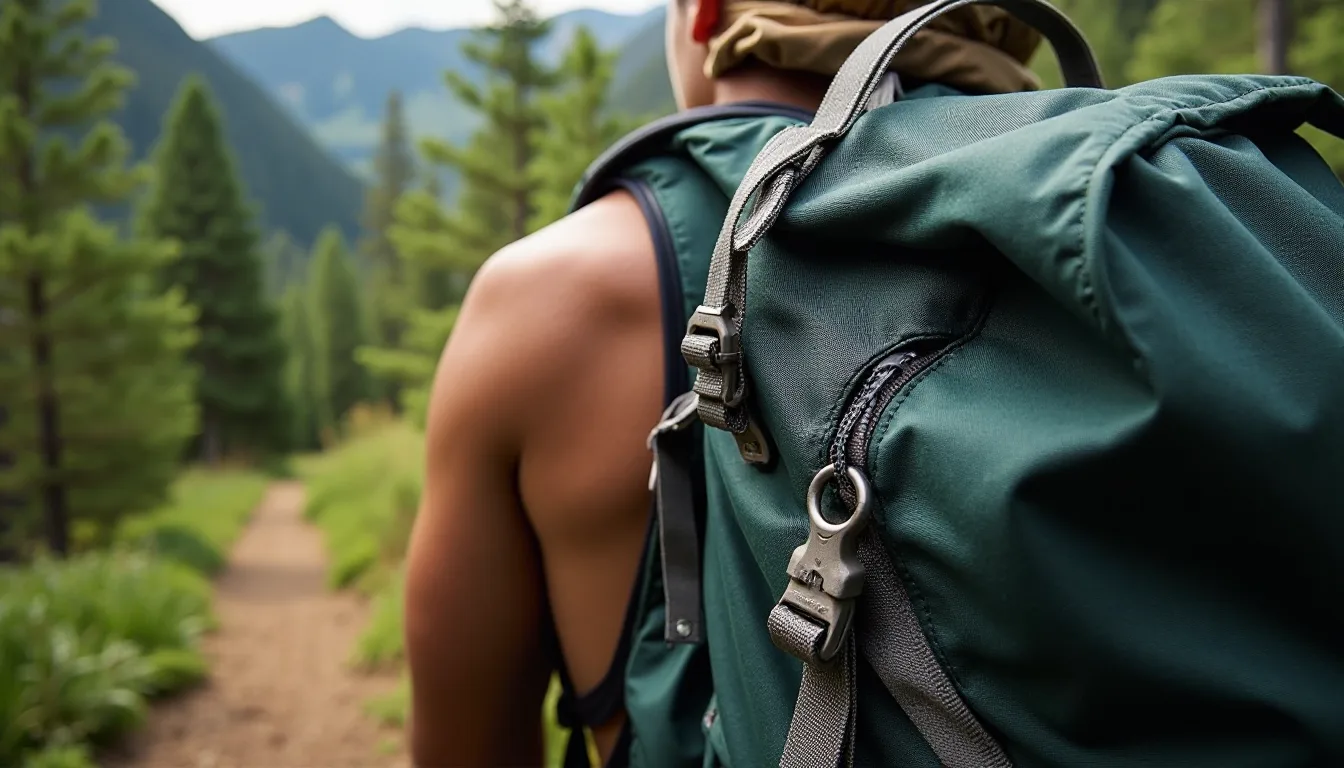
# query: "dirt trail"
279,694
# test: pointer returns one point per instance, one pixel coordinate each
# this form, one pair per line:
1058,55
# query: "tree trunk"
210,444
48,420
10,507
1274,36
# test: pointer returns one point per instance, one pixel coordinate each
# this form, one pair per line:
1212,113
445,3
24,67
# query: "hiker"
536,505
976,467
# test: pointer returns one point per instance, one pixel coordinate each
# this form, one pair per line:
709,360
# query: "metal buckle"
678,416
825,574
717,323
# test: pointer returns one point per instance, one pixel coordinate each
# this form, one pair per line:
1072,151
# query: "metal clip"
825,574
678,416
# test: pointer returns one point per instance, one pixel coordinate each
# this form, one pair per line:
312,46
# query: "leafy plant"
383,642
84,643
205,516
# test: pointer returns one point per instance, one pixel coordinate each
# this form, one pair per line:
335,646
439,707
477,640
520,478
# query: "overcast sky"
368,18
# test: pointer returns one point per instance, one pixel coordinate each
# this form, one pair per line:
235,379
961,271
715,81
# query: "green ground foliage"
200,524
85,643
95,395
363,495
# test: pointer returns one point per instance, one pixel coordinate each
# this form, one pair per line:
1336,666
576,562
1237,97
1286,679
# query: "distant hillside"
298,185
336,83
641,86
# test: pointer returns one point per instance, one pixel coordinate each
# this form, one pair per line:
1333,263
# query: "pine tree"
389,293
96,393
339,329
301,375
283,263
579,126
198,202
496,203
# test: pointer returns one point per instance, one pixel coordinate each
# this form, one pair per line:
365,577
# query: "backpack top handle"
713,342
863,70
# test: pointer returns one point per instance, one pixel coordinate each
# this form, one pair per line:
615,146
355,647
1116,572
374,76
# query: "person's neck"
757,83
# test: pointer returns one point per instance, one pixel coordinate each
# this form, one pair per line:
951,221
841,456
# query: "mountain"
641,85
336,83
297,185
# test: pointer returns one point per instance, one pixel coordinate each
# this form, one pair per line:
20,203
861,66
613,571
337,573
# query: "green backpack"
1026,426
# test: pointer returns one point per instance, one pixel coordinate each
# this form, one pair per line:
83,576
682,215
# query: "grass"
200,524
363,494
85,643
382,645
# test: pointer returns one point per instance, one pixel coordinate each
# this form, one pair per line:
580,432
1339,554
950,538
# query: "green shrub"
60,757
181,545
363,495
392,708
84,643
208,511
382,644
174,669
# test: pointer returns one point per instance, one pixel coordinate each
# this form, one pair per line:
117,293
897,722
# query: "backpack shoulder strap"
629,165
653,138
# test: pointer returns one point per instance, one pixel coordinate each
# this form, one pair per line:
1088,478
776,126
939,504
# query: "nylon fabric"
1114,507
668,687
892,639
799,150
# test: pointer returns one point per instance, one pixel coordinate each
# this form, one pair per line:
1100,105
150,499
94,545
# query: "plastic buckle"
717,323
825,574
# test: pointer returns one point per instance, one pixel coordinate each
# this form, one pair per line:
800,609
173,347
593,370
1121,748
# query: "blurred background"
233,237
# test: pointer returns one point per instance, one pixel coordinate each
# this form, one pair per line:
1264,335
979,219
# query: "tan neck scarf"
976,49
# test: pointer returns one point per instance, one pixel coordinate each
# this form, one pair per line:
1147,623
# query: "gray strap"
673,445
890,637
821,734
792,154
893,641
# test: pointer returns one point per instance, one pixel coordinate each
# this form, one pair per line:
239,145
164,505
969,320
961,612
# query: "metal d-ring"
862,505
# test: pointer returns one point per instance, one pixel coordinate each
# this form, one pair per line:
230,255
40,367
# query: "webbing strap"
673,445
890,637
821,734
894,644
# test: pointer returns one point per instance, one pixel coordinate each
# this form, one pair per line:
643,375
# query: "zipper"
854,435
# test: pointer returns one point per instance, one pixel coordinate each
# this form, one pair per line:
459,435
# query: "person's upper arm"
474,591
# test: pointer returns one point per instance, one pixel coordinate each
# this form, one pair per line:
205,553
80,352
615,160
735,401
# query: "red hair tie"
706,20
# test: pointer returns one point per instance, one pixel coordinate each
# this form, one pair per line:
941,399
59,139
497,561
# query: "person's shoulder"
564,299
596,262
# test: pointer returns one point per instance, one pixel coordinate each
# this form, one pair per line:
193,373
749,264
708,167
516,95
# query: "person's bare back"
536,499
